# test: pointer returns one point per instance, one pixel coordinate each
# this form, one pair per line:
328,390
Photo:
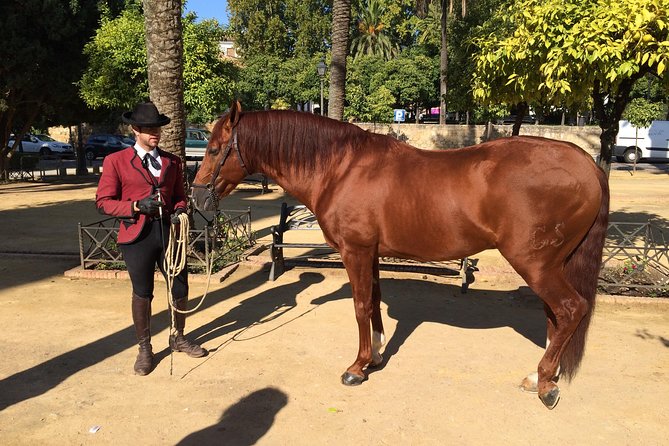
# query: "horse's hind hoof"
530,383
349,379
550,398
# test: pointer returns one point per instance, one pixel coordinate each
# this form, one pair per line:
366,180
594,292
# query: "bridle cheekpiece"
211,185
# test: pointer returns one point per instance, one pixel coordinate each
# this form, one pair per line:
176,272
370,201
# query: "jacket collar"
136,163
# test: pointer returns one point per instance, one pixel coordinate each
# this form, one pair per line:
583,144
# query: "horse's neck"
298,185
296,182
304,184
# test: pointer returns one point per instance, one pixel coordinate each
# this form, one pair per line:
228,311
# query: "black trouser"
142,255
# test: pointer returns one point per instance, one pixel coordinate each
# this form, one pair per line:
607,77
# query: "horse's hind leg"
531,381
568,307
565,309
378,337
359,266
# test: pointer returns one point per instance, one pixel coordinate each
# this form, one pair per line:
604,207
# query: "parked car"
42,145
101,145
428,118
651,143
431,116
511,119
196,143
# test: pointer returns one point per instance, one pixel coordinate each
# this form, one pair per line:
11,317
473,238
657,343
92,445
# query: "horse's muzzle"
203,199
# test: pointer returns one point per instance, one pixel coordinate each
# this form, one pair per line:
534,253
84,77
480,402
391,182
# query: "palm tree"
446,8
164,47
372,40
341,17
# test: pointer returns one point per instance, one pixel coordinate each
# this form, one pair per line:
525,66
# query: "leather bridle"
211,185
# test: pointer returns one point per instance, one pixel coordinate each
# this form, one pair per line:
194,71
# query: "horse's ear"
235,112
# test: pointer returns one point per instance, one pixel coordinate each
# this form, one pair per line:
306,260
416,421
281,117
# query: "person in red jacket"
143,187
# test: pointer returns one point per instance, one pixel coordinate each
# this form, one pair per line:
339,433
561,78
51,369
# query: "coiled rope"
176,255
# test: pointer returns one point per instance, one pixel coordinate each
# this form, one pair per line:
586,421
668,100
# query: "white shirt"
154,153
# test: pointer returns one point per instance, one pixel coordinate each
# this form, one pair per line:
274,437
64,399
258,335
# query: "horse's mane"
303,140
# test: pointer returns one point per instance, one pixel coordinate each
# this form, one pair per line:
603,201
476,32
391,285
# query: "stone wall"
436,137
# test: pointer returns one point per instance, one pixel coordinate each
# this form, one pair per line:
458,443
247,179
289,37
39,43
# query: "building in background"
228,49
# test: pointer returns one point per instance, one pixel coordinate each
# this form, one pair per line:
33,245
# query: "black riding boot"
178,342
141,316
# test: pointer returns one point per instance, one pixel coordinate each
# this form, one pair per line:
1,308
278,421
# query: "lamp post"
321,68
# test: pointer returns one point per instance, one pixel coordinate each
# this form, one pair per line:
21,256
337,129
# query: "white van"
651,143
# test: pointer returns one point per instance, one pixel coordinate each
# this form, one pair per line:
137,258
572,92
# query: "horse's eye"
213,150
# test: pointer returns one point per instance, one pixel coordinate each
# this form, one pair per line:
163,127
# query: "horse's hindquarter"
442,205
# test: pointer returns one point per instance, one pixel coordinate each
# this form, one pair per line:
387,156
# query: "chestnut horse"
542,203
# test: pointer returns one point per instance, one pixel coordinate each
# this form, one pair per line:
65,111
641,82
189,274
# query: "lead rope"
176,255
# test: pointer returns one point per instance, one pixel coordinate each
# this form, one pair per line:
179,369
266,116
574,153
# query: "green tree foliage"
282,28
562,51
380,105
116,77
371,37
209,79
460,32
280,41
40,58
428,27
258,83
299,81
650,88
363,75
407,81
412,78
268,82
641,112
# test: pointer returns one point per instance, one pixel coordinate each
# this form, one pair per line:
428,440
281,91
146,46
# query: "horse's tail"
582,271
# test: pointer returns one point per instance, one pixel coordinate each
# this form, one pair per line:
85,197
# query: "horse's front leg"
378,337
359,266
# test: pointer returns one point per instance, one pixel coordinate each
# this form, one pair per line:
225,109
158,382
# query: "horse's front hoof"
550,398
349,379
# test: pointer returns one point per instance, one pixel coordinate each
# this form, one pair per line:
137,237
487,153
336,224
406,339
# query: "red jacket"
125,181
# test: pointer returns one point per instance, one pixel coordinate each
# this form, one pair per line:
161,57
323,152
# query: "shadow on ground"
411,302
243,423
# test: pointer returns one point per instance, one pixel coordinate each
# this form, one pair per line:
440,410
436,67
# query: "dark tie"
154,162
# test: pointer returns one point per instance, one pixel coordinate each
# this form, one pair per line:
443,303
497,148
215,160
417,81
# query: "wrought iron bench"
299,218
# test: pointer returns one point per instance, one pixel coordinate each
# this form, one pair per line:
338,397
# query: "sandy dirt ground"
452,366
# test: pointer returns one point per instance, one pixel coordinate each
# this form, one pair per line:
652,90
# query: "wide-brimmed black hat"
145,114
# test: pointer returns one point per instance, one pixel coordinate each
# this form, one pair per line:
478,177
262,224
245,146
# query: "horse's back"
455,202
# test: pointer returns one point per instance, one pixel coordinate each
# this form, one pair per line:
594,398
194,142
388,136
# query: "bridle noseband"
211,185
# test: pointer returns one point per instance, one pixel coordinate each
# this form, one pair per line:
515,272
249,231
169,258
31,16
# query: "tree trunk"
443,64
341,18
521,111
609,107
164,45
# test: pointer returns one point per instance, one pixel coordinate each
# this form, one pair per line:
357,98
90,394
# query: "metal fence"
635,257
218,238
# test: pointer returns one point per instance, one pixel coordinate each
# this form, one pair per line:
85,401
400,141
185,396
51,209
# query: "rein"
211,185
